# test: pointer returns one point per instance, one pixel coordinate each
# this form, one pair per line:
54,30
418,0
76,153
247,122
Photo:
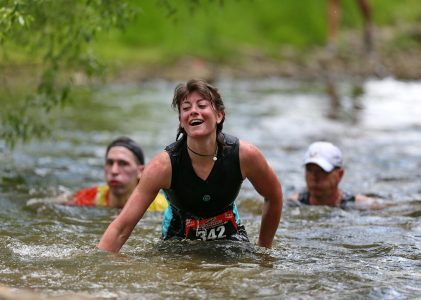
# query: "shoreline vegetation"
246,39
46,60
348,59
257,42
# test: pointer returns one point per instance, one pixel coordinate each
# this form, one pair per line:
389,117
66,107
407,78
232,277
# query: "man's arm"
362,201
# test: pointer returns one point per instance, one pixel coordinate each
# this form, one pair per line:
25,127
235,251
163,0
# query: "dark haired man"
124,164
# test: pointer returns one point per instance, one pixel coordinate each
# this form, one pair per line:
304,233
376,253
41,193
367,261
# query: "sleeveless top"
346,199
204,198
195,203
98,196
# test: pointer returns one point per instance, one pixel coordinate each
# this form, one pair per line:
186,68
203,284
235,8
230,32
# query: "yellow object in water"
159,204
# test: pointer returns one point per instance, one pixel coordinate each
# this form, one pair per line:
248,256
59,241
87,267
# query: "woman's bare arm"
255,167
157,175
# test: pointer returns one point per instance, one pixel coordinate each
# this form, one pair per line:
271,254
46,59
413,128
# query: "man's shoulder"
91,196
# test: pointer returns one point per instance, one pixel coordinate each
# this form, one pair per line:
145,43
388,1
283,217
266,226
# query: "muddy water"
319,252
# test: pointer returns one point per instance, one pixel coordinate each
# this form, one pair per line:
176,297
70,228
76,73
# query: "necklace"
215,156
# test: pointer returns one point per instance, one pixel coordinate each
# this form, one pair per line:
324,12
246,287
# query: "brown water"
319,252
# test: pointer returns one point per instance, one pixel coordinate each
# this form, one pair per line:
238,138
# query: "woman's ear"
220,116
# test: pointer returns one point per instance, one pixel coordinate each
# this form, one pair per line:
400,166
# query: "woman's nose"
193,110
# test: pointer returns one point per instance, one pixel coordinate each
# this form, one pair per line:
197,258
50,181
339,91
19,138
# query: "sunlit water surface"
319,252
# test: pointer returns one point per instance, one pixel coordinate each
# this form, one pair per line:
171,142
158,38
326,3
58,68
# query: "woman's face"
198,115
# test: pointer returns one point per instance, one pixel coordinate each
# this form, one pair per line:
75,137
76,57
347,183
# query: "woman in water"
201,175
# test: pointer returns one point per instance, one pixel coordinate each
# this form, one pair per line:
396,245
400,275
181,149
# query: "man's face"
319,182
121,170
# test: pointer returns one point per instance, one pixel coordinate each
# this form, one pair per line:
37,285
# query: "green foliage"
61,39
223,30
392,12
55,33
217,30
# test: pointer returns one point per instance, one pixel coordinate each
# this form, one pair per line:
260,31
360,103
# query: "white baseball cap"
325,155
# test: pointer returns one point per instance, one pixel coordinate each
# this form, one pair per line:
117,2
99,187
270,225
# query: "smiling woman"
201,175
355,254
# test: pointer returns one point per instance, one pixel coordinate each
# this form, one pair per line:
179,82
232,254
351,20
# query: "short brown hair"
209,92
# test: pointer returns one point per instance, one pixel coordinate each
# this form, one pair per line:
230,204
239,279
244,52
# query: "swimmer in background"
323,174
123,167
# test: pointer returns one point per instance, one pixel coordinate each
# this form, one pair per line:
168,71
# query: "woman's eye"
203,104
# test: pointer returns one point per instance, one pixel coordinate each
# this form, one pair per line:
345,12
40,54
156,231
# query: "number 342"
213,234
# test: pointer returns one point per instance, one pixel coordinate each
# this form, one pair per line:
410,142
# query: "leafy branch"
57,34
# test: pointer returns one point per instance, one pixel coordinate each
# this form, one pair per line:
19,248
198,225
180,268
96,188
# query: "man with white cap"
323,173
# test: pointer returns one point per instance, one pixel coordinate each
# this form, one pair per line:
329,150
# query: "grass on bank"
222,31
227,30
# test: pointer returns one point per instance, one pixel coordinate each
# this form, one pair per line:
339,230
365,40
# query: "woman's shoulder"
158,170
252,160
158,163
249,150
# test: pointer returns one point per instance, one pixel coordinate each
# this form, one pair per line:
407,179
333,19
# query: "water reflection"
319,252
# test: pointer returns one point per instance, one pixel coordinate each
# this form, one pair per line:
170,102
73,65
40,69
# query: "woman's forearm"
271,216
113,238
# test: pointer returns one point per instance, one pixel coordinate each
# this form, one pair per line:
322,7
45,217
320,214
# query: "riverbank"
347,59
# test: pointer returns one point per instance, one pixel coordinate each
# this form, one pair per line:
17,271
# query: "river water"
319,252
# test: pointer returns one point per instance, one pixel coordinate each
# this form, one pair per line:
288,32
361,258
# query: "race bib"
214,228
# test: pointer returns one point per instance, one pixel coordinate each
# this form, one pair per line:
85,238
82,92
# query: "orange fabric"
98,196
93,196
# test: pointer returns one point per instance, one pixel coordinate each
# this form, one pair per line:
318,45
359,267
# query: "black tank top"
346,200
204,198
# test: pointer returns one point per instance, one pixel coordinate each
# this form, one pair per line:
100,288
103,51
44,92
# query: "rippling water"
319,252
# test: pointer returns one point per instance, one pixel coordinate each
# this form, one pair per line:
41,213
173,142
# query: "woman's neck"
203,149
206,145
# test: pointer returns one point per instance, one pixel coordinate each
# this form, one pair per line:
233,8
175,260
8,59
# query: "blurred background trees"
50,46
44,47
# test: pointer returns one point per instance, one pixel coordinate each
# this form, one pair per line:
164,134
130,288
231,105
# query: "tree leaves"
57,34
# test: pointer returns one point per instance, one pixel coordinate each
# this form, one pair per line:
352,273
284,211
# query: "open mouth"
195,122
